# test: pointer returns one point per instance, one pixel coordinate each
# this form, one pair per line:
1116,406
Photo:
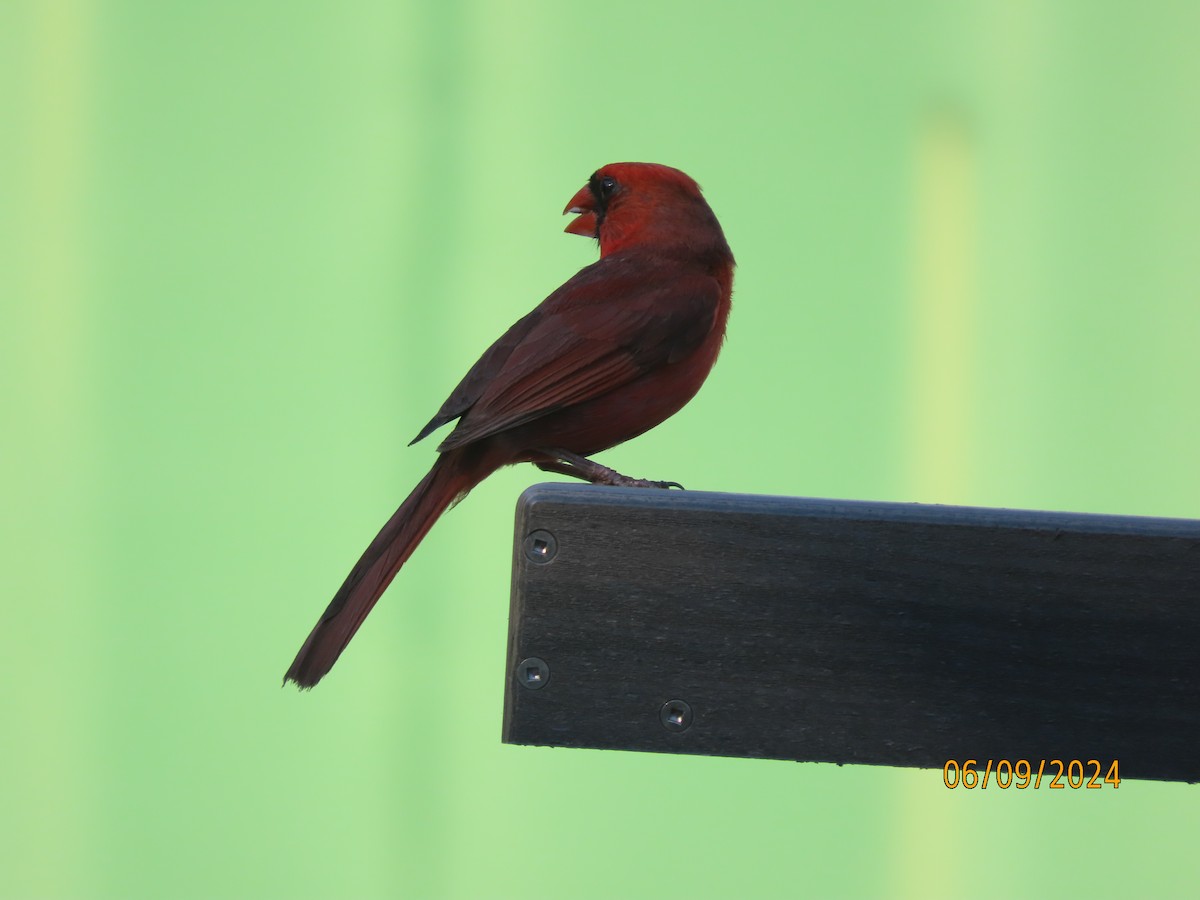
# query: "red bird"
616,350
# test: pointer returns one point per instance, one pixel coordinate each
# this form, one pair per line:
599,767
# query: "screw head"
540,546
676,715
533,673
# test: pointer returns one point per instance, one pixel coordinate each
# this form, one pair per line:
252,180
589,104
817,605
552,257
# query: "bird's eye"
608,184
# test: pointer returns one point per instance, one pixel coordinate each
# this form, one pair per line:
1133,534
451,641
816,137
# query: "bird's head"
643,204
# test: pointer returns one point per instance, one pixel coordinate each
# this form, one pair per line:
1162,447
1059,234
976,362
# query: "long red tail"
451,476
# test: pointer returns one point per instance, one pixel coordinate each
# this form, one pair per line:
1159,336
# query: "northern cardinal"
613,352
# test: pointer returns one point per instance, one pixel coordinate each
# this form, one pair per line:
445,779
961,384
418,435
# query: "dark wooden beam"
850,632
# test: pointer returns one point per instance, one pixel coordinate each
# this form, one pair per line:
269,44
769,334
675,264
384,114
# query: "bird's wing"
607,326
471,388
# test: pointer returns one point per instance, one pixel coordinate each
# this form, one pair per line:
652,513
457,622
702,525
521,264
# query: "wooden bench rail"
850,632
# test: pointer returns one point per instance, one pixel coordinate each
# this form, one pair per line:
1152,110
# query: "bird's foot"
564,463
616,479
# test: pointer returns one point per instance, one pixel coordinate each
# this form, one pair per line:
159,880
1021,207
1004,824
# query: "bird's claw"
620,480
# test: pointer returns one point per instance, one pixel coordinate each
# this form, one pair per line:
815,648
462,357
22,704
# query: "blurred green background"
247,250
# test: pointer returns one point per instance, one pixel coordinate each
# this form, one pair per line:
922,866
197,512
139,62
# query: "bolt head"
532,673
540,547
676,715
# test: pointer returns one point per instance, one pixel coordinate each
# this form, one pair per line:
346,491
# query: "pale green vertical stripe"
48,814
945,290
944,294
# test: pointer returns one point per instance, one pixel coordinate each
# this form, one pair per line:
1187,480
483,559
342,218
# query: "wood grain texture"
849,632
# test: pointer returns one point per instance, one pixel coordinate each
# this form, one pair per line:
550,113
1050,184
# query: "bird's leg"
563,462
561,468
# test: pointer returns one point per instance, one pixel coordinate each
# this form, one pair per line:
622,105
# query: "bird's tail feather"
449,479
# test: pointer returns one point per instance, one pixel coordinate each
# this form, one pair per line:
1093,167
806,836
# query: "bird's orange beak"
583,204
